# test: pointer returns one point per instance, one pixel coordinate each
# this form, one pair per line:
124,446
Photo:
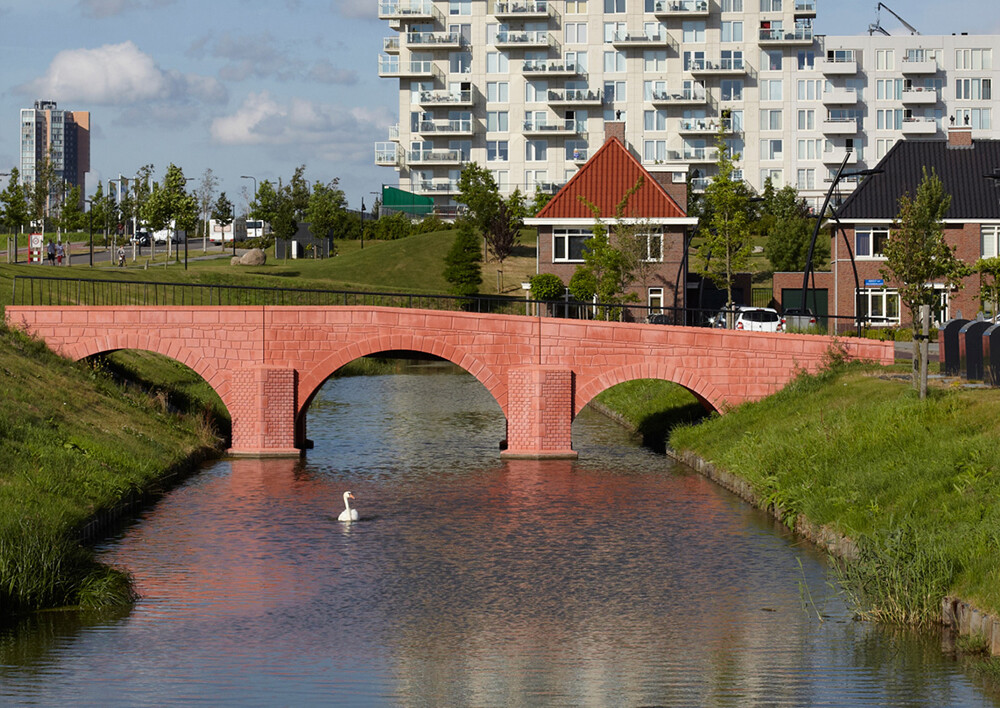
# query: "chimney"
614,129
959,136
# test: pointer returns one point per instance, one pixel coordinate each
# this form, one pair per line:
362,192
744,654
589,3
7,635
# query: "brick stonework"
267,363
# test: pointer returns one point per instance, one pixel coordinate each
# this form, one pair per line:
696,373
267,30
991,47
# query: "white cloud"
118,75
360,9
332,131
326,73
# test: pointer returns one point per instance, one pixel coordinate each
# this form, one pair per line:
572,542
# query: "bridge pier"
539,413
263,406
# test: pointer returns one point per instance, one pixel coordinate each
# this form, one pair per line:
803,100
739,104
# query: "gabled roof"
961,170
603,181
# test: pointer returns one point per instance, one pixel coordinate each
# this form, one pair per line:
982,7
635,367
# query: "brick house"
972,225
566,222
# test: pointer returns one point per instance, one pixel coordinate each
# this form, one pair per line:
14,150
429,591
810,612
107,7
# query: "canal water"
613,580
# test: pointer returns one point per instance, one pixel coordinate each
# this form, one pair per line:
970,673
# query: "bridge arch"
312,379
706,392
105,344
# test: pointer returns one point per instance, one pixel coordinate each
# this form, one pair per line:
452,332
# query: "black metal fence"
50,291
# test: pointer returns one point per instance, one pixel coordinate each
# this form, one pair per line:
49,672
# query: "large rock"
253,257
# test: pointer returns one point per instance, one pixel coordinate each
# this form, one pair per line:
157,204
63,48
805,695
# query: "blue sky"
258,87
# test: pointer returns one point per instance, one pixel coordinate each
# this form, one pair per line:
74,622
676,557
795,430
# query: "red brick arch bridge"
267,362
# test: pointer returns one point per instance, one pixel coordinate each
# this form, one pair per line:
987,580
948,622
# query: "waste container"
949,346
970,349
991,355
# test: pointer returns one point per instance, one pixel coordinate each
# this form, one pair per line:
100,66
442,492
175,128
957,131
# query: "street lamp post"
90,228
362,223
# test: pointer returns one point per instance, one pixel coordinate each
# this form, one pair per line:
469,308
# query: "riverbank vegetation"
915,485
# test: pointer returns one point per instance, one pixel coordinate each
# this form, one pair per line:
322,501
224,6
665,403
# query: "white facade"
524,88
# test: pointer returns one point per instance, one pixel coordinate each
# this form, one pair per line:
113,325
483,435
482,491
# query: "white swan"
348,514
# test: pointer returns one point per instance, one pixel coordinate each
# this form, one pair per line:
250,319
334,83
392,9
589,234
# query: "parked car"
798,318
758,319
141,239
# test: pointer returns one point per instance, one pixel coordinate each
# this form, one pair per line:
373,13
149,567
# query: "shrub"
547,286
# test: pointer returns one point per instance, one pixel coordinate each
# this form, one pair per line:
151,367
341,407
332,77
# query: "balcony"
416,10
919,126
918,64
532,185
839,126
837,155
521,10
435,157
579,156
533,39
575,97
393,132
920,95
681,8
445,126
839,97
699,184
430,186
805,8
682,98
627,38
567,127
390,45
837,67
550,67
693,154
704,126
445,97
390,66
799,35
387,154
434,40
719,67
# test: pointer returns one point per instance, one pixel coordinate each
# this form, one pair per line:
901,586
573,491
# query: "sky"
259,87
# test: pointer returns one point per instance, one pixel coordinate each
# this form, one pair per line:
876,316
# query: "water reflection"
470,581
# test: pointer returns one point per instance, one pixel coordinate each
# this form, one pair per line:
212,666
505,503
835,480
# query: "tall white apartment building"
63,137
524,88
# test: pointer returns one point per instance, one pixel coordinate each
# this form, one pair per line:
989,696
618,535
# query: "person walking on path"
121,256
60,252
51,253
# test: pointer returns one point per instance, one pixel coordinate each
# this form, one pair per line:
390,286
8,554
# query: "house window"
567,244
989,237
654,247
880,306
655,300
869,242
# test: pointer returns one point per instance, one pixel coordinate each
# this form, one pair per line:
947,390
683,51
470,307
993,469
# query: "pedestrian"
60,252
51,253
121,256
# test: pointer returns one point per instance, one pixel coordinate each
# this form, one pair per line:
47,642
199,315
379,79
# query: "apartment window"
888,89
651,90
806,119
806,179
693,30
777,177
977,118
497,122
460,62
770,119
869,242
889,119
809,89
770,90
770,5
810,149
614,30
576,60
882,146
497,63
576,149
770,59
536,91
696,59
731,5
576,32
973,89
989,237
567,244
576,7
654,60
770,150
885,60
496,151
731,89
460,7
614,62
654,120
497,92
807,60
502,178
614,6
732,30
654,150
973,59
536,150
614,91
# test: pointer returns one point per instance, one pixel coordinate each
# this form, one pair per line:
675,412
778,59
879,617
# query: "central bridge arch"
706,392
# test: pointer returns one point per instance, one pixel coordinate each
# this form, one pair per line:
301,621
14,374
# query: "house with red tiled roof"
658,206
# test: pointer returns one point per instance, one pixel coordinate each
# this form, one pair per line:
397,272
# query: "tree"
326,205
299,193
725,228
265,203
463,261
71,216
134,205
284,225
169,205
40,191
539,200
547,286
498,220
205,194
917,254
223,212
15,204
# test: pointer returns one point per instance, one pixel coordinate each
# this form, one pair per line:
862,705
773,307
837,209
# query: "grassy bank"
74,443
651,408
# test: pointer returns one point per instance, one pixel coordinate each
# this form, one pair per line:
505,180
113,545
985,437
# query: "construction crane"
877,27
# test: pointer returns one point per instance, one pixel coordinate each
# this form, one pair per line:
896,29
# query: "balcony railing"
386,154
642,38
799,34
567,126
393,132
524,38
694,154
551,66
427,156
805,6
729,64
460,125
680,97
390,65
680,7
705,125
432,39
430,186
919,125
920,94
390,45
521,9
408,9
575,96
445,97
532,185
